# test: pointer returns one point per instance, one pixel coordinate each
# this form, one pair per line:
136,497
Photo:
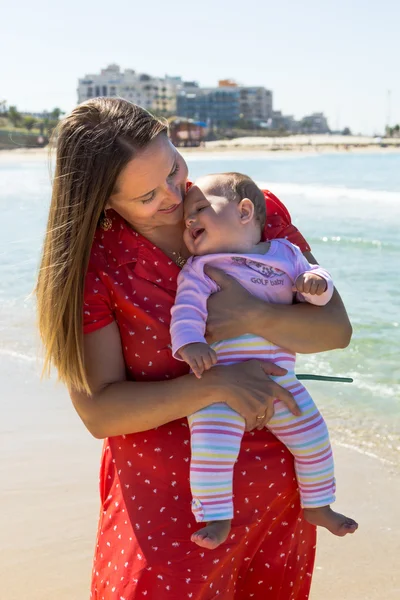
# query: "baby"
225,215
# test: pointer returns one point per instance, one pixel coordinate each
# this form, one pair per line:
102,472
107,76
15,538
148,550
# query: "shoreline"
372,440
253,148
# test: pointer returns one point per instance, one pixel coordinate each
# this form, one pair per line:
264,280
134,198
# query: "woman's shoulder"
98,254
114,244
279,223
278,216
276,207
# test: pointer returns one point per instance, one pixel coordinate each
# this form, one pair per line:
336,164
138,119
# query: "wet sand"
49,483
364,566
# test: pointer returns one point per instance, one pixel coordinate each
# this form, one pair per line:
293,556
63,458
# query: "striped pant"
217,431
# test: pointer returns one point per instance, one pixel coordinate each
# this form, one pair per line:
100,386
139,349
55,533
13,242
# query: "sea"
347,205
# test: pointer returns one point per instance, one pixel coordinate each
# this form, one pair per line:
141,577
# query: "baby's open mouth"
195,233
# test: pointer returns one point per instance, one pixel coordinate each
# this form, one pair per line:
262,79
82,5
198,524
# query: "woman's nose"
174,192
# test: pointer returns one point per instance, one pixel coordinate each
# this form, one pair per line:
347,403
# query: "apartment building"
225,105
152,93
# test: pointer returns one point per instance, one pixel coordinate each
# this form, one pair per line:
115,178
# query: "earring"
105,222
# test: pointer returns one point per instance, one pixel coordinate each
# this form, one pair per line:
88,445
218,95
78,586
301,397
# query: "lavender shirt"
269,276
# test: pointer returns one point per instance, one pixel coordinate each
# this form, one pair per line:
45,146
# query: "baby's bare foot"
326,517
212,535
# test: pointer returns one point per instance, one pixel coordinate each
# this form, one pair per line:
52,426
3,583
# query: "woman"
110,262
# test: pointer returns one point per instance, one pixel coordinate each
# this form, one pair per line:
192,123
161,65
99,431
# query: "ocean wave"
20,356
358,242
360,450
321,365
322,192
376,389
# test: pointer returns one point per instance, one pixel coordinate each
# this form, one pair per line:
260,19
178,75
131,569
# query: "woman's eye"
174,172
148,199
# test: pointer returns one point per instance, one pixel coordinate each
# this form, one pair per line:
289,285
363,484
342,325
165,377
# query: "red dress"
143,545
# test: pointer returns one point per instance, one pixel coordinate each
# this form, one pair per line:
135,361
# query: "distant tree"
49,125
243,124
56,113
396,130
29,123
346,131
3,106
14,116
389,131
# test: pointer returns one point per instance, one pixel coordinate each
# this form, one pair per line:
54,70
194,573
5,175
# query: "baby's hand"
199,356
310,283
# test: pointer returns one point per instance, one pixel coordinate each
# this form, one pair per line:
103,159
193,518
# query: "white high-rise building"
315,123
255,103
152,93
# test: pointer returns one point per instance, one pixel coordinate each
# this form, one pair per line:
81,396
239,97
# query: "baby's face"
212,222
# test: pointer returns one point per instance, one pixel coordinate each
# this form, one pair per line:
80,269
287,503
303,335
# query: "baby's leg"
307,438
216,435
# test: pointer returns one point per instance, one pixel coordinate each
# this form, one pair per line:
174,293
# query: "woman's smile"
170,209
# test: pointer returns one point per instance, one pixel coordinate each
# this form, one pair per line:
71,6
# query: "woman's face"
150,190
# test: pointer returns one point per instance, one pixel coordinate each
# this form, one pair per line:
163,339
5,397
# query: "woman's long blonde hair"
94,143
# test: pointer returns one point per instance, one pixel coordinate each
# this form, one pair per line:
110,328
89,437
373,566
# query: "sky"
341,58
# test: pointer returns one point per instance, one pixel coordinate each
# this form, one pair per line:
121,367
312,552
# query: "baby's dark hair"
239,186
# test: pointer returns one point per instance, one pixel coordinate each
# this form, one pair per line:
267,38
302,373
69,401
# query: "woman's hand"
247,388
230,309
298,327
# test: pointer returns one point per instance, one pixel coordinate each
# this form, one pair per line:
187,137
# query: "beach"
364,566
347,204
258,145
50,505
305,143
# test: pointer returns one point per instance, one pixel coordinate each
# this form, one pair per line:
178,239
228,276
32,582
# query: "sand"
49,501
253,147
364,566
308,143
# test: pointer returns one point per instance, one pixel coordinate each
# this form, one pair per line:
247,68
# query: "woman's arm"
118,406
299,327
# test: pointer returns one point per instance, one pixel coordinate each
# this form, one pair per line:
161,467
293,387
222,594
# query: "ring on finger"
262,417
